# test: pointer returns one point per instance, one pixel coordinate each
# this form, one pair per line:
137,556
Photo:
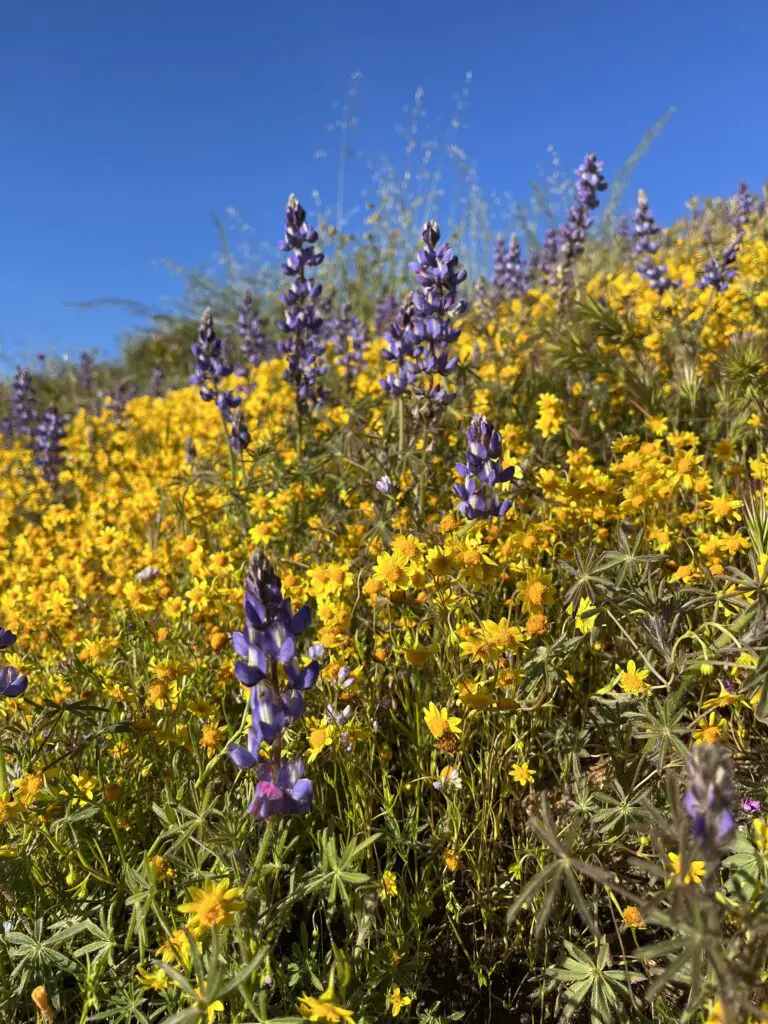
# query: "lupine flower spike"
482,472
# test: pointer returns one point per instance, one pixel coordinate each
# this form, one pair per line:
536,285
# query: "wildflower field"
403,665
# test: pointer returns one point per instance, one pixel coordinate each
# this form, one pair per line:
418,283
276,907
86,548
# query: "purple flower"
22,404
267,642
350,338
255,347
12,682
282,789
419,339
646,230
303,345
211,367
386,311
7,639
750,805
708,799
384,485
745,206
718,273
49,454
589,181
481,472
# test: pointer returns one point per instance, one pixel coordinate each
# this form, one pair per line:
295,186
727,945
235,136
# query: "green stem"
400,427
3,776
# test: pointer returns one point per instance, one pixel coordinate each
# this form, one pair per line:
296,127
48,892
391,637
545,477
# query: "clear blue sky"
124,125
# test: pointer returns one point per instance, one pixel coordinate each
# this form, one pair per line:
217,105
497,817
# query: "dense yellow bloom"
388,887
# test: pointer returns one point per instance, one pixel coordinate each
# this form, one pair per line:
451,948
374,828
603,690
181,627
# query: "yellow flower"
695,872
156,979
320,737
211,738
215,904
451,860
393,571
632,679
585,615
760,826
161,868
176,949
439,722
632,917
713,732
323,1009
211,1009
388,887
397,1001
522,773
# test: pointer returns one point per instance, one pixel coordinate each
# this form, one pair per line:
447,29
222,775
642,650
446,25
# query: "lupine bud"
211,367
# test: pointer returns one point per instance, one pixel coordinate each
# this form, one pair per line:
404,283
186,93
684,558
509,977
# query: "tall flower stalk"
267,654
211,369
646,246
302,346
589,181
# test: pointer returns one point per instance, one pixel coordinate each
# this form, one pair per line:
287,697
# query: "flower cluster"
646,230
745,206
482,472
385,313
266,645
211,368
22,403
510,272
49,454
419,339
303,347
589,181
718,273
255,346
708,800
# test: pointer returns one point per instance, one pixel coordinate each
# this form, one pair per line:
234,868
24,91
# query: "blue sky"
126,125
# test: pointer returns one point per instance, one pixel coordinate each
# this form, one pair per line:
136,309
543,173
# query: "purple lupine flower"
751,805
547,256
303,345
282,789
49,454
255,347
515,270
386,311
498,280
22,404
646,230
384,485
7,639
745,206
482,472
419,340
708,799
211,368
400,349
718,273
156,385
267,642
589,181
12,682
